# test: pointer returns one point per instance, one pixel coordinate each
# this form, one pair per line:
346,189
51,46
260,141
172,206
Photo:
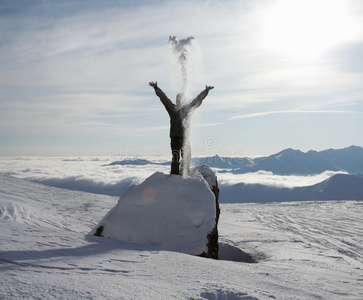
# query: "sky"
74,76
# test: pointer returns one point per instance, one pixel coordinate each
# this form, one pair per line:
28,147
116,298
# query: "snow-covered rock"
207,173
211,178
167,211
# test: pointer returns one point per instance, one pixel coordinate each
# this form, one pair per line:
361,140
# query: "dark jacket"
177,116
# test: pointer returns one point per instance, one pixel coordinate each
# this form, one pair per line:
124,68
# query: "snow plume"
187,150
185,55
183,51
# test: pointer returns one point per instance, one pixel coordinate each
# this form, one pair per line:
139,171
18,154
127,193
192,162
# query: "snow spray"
183,51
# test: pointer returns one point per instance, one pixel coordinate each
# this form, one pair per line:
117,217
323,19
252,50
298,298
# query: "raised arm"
170,106
198,100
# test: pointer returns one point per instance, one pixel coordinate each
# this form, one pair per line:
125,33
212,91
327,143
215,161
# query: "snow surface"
305,250
167,211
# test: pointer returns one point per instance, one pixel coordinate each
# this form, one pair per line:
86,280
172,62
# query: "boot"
175,169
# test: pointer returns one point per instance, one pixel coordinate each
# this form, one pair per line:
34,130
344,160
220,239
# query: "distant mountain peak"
295,162
288,151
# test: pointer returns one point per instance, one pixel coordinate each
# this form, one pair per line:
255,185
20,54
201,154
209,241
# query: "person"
178,113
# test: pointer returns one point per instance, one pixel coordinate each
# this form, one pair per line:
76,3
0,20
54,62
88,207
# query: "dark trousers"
176,145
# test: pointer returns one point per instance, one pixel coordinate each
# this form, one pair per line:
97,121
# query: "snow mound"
207,174
166,211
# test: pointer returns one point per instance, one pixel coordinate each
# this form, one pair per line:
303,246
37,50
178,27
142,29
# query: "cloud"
89,185
207,125
94,175
261,114
155,128
269,179
86,173
348,57
73,68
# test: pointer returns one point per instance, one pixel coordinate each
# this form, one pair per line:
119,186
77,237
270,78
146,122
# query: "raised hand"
209,87
153,84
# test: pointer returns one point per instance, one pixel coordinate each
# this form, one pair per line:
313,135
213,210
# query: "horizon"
104,175
165,155
74,76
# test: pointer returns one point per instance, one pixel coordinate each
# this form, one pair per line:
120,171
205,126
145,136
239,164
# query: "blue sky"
74,75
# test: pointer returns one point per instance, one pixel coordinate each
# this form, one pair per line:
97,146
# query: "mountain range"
286,162
296,162
337,187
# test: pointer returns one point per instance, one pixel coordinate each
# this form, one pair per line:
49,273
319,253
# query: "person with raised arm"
178,113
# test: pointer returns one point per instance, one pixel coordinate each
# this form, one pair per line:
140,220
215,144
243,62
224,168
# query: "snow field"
305,250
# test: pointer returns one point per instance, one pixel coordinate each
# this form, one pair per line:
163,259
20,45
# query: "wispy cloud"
72,64
207,125
265,113
154,128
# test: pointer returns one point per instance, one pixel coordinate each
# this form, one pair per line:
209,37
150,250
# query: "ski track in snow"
305,250
334,226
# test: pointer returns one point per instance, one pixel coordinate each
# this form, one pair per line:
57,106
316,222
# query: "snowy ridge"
302,253
289,162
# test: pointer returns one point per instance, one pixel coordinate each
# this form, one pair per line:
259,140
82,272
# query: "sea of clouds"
96,175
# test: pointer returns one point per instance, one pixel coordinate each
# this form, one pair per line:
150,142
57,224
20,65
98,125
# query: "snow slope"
305,250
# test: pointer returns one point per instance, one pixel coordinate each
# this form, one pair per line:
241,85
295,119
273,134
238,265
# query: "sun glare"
305,29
